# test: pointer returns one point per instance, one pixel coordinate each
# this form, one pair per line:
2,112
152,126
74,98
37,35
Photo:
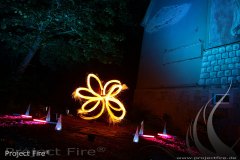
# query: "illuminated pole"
136,137
141,129
58,126
48,118
28,110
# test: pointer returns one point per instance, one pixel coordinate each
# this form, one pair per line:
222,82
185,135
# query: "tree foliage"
68,31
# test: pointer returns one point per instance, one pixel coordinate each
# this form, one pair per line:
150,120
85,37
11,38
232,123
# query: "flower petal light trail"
105,99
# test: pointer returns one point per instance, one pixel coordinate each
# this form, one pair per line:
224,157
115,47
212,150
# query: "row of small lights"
141,134
58,126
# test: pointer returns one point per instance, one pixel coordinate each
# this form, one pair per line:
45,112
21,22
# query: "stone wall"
221,65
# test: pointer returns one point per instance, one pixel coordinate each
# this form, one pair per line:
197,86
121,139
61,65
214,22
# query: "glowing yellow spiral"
108,95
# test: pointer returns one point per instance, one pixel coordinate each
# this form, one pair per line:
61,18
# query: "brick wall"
221,65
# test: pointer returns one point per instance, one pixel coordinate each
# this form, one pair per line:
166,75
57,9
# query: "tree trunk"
30,55
32,51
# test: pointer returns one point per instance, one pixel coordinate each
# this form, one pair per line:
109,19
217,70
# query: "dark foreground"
83,140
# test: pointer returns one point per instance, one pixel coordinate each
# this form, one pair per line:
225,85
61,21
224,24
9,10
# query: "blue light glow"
141,129
59,124
165,129
167,16
28,111
136,137
48,118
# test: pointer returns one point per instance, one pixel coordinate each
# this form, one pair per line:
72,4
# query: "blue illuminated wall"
172,55
181,67
224,22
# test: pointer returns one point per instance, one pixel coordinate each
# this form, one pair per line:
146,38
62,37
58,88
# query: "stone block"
228,73
209,69
236,59
231,79
213,74
218,56
229,48
225,55
236,72
217,68
221,62
216,81
206,64
231,66
228,60
236,46
237,65
238,79
207,52
203,70
220,74
211,58
205,59
222,49
232,54
224,67
214,63
215,51
204,75
238,53
224,80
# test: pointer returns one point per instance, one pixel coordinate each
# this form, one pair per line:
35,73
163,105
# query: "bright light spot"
26,116
104,98
48,118
148,136
39,120
165,135
165,129
141,129
28,110
58,128
67,111
59,124
136,137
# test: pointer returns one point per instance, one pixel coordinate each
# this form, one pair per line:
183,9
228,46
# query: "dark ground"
88,140
108,142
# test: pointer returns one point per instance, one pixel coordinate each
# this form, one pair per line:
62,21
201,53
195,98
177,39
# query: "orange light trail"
104,99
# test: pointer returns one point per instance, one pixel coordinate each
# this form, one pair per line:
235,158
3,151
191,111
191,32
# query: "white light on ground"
59,124
136,137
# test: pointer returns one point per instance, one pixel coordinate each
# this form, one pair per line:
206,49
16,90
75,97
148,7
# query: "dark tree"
55,42
64,32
